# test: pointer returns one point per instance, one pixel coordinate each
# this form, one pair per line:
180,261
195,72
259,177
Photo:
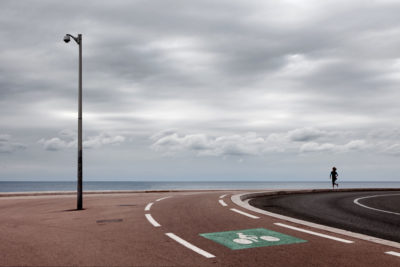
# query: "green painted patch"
251,238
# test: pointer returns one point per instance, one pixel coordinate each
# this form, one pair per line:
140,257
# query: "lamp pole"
78,40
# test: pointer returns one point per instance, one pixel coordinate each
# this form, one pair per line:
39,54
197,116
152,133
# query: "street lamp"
78,40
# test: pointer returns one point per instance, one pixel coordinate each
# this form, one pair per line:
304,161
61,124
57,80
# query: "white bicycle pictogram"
249,239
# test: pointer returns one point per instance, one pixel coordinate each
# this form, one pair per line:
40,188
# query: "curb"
243,199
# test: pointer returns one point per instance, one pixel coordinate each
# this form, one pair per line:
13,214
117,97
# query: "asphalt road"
169,229
376,213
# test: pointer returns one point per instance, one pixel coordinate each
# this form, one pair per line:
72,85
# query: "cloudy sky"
201,90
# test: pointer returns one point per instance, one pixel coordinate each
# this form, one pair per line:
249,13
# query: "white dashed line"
245,214
222,196
190,246
148,207
162,198
393,253
222,203
356,201
152,221
314,233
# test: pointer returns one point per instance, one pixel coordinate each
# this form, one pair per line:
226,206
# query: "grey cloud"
67,134
393,150
67,139
163,134
55,144
315,147
103,139
4,137
305,134
126,53
204,145
248,144
384,134
354,145
171,142
8,146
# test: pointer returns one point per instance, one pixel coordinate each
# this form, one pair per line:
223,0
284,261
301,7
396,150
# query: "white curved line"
356,201
245,213
148,207
152,221
222,203
163,198
393,253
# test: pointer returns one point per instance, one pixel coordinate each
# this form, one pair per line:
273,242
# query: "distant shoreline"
256,192
196,181
73,193
106,186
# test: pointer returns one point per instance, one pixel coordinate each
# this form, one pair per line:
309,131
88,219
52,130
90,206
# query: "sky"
201,90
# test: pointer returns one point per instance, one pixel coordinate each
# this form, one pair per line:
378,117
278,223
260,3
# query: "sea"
30,186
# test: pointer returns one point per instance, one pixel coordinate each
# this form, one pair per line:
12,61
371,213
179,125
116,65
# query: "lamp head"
67,38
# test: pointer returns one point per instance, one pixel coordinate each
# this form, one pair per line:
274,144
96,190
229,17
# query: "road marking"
356,201
222,203
222,196
148,207
152,221
190,246
251,238
162,198
314,233
245,214
393,253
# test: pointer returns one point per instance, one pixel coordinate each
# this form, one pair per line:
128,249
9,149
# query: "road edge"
243,199
103,192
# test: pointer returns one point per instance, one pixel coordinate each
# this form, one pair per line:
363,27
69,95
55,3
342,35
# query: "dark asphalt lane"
337,209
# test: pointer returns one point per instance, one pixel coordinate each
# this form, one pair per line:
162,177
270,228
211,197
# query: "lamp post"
78,40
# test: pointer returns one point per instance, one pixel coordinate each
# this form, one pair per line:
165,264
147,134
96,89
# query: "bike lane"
111,231
211,223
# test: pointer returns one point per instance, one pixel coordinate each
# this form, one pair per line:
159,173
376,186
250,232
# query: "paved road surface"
164,229
372,213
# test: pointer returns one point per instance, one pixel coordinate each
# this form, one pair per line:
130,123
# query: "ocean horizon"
42,186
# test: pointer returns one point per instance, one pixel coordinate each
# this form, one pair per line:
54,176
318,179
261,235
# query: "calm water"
90,186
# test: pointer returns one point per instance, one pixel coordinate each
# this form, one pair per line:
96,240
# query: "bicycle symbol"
249,239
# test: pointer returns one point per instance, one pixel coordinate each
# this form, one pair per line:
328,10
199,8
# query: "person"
334,176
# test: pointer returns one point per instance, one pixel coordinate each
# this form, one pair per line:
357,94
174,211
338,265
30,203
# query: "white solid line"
222,196
393,253
383,195
152,221
162,198
222,203
314,233
245,214
190,246
148,207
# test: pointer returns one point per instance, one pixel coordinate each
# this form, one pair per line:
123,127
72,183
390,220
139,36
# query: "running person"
334,176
